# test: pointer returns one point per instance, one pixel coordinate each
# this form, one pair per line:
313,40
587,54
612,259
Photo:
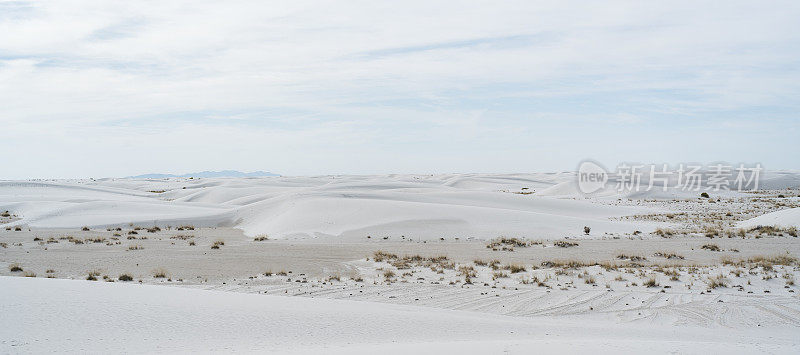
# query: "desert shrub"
85,229
515,268
388,274
182,237
717,281
499,274
565,244
668,255
651,282
135,247
664,233
631,257
191,243
711,232
261,238
381,256
29,274
153,229
15,268
511,242
159,273
467,271
5,214
567,264
586,230
186,227
704,195
711,247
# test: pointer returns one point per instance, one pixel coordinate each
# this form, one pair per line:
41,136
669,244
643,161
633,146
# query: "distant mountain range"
206,174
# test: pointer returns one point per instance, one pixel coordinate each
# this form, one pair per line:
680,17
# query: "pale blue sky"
105,88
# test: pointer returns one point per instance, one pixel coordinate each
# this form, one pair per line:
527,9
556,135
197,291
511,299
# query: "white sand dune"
420,207
784,218
46,315
345,207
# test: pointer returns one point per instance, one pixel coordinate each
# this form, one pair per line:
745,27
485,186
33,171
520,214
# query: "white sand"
83,317
422,207
784,218
319,228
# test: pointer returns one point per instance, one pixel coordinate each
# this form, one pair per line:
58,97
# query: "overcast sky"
106,88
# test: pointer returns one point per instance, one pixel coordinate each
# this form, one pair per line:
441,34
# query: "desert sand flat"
78,316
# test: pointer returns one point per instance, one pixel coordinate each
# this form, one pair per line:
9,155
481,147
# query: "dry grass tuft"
651,282
160,273
717,281
565,244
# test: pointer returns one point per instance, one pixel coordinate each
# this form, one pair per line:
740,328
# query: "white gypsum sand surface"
79,316
345,207
493,253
